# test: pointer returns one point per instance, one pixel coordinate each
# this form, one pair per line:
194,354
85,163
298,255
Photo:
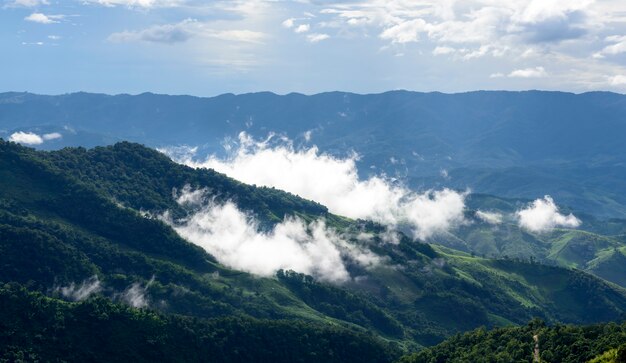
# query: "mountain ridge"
508,143
98,236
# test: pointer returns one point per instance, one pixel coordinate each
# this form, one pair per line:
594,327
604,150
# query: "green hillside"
73,217
558,343
597,247
37,328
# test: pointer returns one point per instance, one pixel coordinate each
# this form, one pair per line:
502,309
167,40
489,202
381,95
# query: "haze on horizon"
207,48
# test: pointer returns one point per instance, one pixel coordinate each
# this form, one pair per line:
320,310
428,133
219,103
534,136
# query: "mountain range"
112,224
510,144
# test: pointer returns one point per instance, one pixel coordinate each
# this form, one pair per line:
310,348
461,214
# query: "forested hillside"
38,328
83,225
558,343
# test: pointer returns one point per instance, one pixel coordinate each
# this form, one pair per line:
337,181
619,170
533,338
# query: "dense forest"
79,251
37,328
557,343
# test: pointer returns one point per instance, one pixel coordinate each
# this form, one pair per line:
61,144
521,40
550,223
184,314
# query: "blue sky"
211,47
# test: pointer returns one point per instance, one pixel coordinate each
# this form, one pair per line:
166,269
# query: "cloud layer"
183,31
334,182
543,214
235,239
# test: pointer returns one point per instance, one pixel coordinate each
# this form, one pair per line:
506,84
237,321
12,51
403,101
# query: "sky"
207,48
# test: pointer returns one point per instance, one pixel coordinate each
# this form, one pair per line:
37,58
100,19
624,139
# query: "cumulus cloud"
335,183
235,239
543,214
30,138
405,32
302,28
43,18
80,292
317,37
553,20
183,31
536,72
27,138
443,50
288,23
490,217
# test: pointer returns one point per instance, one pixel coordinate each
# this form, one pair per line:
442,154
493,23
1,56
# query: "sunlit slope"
597,246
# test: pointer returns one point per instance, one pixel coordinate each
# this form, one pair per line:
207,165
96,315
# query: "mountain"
82,224
510,144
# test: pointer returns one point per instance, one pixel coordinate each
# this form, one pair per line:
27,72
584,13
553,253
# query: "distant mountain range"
511,144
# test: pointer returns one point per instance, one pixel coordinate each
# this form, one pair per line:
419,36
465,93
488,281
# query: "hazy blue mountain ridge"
513,144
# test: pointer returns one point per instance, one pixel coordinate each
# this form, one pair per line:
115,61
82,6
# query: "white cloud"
78,293
317,37
235,240
169,33
302,28
617,80
405,32
490,217
618,47
183,31
443,50
27,138
52,136
288,23
536,72
146,4
543,214
43,18
334,182
30,138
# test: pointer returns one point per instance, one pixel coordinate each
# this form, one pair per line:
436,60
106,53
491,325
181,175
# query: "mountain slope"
37,328
74,217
